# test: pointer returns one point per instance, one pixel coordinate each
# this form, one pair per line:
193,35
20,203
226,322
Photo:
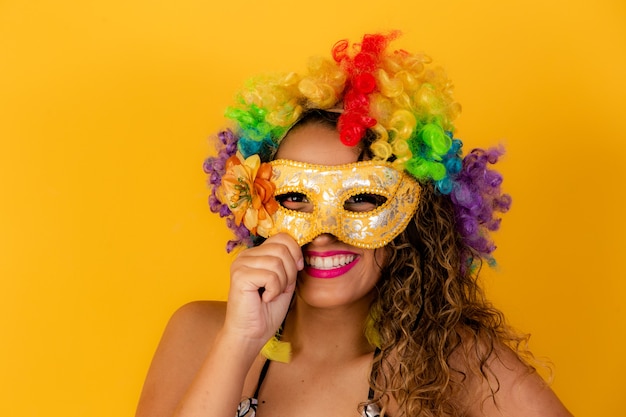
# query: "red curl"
365,62
359,68
364,83
351,135
340,50
355,102
376,43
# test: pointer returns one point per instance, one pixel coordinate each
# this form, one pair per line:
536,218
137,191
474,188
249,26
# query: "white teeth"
329,262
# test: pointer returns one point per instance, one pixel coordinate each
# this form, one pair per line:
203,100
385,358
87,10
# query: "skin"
208,358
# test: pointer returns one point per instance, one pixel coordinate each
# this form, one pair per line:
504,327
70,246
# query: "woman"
366,230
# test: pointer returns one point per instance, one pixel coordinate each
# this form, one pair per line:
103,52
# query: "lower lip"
330,273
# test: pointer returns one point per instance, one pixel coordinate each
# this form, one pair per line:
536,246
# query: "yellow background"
106,107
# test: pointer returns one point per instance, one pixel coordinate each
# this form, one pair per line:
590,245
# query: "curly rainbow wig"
399,97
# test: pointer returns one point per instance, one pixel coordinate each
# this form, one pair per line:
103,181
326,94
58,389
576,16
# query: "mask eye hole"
295,201
364,202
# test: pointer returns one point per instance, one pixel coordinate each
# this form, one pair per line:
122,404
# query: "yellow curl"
399,163
380,132
380,147
382,150
402,123
410,81
403,101
324,83
319,95
285,115
400,147
274,94
390,87
381,108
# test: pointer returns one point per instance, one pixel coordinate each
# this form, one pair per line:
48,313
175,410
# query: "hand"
263,280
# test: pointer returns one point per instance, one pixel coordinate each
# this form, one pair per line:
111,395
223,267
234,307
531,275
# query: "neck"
327,333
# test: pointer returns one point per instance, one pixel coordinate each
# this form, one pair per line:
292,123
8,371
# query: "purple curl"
477,198
215,168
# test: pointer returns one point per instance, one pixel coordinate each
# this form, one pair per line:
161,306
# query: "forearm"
217,387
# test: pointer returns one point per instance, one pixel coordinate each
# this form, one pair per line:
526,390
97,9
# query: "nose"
324,239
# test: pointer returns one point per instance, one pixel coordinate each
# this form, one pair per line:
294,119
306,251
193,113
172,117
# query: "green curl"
425,170
435,138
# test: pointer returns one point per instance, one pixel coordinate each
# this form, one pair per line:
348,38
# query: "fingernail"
300,264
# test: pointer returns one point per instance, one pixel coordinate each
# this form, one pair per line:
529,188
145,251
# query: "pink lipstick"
329,264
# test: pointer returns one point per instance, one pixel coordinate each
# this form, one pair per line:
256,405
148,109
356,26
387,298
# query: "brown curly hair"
427,310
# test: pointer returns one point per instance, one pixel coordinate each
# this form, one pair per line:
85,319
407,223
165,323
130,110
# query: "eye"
364,202
295,201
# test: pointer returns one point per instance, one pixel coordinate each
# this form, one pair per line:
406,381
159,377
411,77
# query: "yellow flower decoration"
248,191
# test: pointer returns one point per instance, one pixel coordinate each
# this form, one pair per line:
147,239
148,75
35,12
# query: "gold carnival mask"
365,204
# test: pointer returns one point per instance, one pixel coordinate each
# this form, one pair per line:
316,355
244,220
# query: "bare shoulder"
192,328
197,315
508,386
181,351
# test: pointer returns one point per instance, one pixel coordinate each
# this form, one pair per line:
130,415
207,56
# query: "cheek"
380,258
373,262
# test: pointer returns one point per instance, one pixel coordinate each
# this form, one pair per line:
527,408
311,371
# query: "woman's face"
335,273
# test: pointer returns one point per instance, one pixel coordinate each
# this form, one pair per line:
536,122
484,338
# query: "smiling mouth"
329,262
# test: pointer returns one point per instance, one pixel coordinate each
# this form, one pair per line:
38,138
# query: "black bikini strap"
266,366
370,393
